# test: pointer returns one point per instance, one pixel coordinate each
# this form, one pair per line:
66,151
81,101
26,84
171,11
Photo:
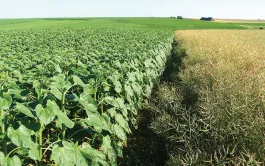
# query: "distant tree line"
178,17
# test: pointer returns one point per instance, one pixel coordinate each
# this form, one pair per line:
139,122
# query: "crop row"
69,97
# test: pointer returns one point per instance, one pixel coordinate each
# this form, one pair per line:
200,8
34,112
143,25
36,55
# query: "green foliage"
179,17
69,154
9,161
70,96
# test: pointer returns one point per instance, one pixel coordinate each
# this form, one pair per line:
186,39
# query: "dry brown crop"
225,71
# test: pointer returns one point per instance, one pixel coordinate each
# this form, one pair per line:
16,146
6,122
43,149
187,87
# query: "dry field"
239,21
225,71
232,57
231,20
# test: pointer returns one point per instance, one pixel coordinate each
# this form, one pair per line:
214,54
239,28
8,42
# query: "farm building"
207,19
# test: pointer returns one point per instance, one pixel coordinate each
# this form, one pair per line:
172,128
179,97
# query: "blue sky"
248,9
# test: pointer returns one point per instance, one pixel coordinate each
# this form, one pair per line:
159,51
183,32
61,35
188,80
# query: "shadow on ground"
145,147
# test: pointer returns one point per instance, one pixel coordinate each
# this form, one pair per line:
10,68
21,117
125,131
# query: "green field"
71,88
165,23
16,21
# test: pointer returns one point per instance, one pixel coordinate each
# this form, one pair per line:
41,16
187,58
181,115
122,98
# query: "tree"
179,17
